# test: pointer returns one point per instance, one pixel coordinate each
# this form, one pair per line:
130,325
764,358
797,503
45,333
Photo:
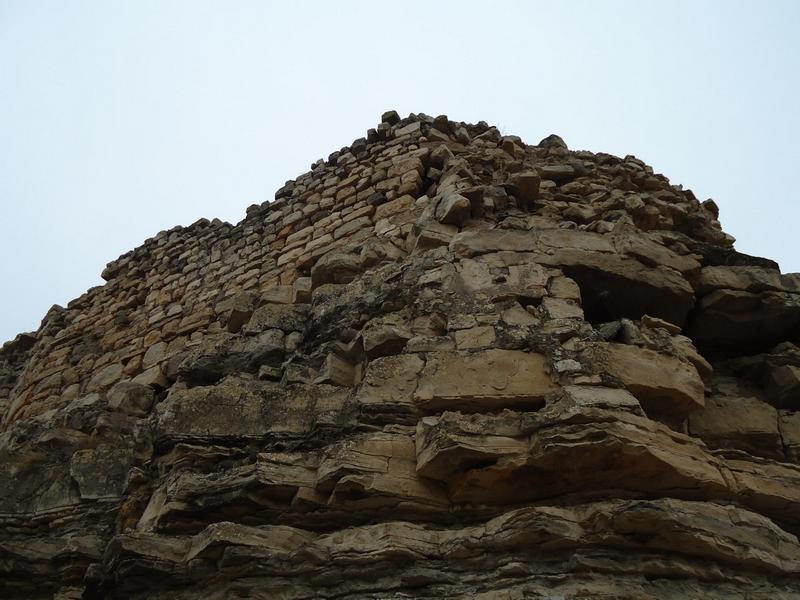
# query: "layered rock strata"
441,364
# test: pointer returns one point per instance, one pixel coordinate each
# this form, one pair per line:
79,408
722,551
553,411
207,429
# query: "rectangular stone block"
483,381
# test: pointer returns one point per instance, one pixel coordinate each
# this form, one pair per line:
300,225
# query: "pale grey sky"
119,119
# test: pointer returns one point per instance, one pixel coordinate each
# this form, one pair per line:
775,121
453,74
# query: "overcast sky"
121,119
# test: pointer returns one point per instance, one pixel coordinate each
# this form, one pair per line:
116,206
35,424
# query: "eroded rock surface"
441,364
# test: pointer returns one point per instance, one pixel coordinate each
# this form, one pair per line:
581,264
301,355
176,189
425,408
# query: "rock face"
441,364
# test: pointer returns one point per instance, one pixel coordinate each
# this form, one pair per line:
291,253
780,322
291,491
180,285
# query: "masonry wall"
442,363
162,297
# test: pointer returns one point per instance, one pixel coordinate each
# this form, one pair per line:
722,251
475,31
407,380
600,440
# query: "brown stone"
442,364
782,385
453,209
744,423
666,386
526,186
484,380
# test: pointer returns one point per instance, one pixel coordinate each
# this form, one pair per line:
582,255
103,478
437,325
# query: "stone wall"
442,363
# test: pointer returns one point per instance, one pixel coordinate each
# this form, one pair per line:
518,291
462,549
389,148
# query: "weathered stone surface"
407,553
559,173
545,535
243,409
441,364
217,357
483,381
789,425
281,317
573,450
452,209
601,397
612,282
730,316
384,336
131,398
105,377
526,186
666,386
335,268
389,383
100,472
748,424
783,386
338,371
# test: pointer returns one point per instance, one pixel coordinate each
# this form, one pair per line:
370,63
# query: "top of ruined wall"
163,297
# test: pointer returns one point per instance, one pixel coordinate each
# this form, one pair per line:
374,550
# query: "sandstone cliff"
441,364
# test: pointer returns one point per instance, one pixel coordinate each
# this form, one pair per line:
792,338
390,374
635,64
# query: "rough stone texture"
441,364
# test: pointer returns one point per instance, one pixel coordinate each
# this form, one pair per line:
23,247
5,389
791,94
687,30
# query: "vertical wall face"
442,363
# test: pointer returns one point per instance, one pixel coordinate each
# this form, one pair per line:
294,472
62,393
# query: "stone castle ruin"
441,364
